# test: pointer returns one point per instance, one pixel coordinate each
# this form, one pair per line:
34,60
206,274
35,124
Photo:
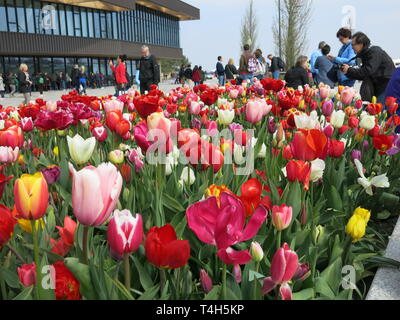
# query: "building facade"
53,36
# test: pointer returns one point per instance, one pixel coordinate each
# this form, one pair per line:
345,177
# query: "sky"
218,30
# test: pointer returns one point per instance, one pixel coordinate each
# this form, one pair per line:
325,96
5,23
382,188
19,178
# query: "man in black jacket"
376,70
149,71
75,77
277,65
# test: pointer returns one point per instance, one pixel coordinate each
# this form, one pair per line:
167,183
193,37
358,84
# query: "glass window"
97,24
11,64
109,26
58,65
115,25
95,65
46,18
62,20
3,17
20,15
37,14
84,23
69,63
45,65
70,20
12,18
77,22
56,21
90,23
103,66
103,25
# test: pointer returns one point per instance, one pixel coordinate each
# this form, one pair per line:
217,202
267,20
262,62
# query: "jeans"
247,77
276,74
2,93
348,83
221,81
381,98
83,88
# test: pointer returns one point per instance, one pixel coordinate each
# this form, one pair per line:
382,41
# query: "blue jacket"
346,53
393,88
324,65
313,59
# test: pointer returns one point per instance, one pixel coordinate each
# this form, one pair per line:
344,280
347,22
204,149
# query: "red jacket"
119,73
196,77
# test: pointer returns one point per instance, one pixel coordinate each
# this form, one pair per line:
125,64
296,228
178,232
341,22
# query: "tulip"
327,108
80,149
187,176
12,137
336,148
324,92
7,223
164,250
31,196
205,281
160,130
27,274
308,145
283,267
100,133
328,131
3,181
27,124
225,117
383,143
95,192
380,181
113,105
195,107
8,154
300,171
51,174
347,95
256,251
223,219
303,272
356,226
271,125
317,170
116,157
237,272
66,242
124,233
367,122
356,154
254,111
135,156
281,217
337,119
140,133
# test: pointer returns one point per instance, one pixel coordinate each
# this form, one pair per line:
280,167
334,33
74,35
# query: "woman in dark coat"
24,82
230,70
298,75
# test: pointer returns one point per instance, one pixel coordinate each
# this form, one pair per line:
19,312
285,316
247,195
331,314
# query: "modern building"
52,36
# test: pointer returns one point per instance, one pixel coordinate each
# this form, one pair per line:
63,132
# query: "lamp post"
280,28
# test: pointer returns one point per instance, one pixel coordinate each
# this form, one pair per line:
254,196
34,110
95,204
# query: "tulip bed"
237,192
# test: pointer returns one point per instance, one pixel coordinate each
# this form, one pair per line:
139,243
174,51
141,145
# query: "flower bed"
238,192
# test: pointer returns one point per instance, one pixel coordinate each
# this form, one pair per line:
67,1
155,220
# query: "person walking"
149,71
314,56
202,75
68,81
376,70
75,77
220,72
41,81
298,75
188,75
324,66
24,82
247,65
12,82
261,65
119,74
346,56
230,70
277,66
82,80
196,76
2,86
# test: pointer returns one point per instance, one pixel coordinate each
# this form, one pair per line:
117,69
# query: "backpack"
41,80
281,64
261,69
252,65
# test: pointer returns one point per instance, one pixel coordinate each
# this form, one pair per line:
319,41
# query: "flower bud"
116,156
302,273
206,281
27,274
256,251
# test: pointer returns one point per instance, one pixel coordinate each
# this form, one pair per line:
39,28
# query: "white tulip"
337,119
367,122
187,176
317,170
381,181
225,117
80,149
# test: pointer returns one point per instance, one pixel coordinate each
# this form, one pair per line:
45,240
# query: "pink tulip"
8,154
324,92
160,131
254,111
27,124
327,108
136,158
223,224
233,94
283,267
113,105
100,133
347,95
27,274
206,281
237,273
140,132
125,232
95,192
212,128
195,108
281,216
328,131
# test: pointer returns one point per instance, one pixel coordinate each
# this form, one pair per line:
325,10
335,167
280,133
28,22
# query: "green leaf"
322,287
144,277
124,292
384,262
150,293
213,294
334,199
294,199
306,294
10,277
25,294
172,204
332,275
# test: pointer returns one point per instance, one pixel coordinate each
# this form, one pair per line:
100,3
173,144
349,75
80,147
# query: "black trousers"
145,85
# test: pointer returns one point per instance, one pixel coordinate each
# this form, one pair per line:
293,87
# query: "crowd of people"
189,76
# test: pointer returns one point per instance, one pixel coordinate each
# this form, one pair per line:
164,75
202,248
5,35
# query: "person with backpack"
220,72
149,70
247,65
277,66
324,67
196,76
230,70
75,77
82,80
261,65
119,74
188,75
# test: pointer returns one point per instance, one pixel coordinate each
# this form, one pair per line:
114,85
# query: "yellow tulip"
55,151
363,213
27,226
356,227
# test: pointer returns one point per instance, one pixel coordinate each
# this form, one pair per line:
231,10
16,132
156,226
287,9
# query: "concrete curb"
386,284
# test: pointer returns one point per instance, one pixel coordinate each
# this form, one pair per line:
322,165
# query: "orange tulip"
31,196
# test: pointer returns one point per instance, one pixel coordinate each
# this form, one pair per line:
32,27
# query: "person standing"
2,87
68,81
188,75
314,56
277,66
202,75
220,72
75,77
196,76
324,66
41,81
247,65
82,80
181,74
230,70
346,56
12,83
376,70
24,82
149,73
119,74
298,76
261,65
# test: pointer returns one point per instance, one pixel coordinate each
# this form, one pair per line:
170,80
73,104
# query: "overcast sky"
218,30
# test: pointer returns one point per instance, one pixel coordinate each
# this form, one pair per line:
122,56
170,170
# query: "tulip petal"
255,223
22,200
285,292
268,285
278,266
233,257
39,198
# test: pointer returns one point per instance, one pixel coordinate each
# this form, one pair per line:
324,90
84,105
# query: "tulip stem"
85,244
162,281
3,286
127,272
278,239
36,258
255,296
223,290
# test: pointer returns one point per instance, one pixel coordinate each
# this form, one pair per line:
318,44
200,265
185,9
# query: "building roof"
176,8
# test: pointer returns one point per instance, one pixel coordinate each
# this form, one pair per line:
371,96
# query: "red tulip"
336,148
299,170
27,274
146,105
67,235
3,181
374,108
354,122
164,250
27,124
308,145
67,286
383,143
251,196
113,118
100,133
12,137
7,223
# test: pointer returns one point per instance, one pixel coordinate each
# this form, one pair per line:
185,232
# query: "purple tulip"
51,174
327,108
356,154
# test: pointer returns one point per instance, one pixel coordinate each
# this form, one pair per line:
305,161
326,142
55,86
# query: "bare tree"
295,19
250,27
